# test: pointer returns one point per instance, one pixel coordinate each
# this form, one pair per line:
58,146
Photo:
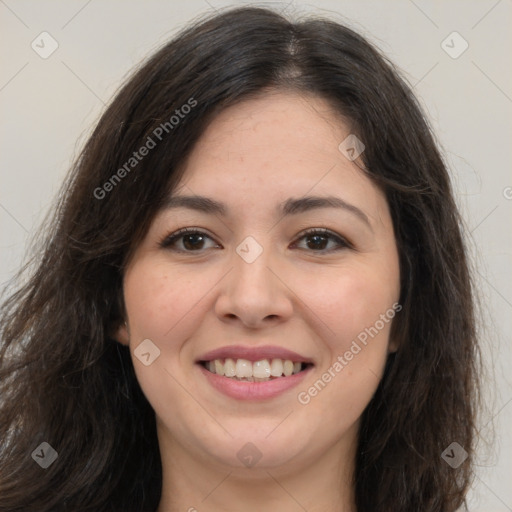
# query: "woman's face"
253,290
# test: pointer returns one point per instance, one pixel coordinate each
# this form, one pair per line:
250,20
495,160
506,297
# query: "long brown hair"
66,382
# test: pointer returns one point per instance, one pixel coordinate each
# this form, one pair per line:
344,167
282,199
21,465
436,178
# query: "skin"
296,294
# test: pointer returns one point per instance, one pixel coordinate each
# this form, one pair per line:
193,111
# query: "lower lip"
244,390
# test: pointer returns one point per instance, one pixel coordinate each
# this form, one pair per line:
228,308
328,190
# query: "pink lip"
254,354
244,390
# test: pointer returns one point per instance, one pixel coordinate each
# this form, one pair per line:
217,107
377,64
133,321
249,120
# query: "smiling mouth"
257,371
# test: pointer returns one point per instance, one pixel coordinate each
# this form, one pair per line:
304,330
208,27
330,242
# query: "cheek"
358,309
158,299
356,304
352,300
160,305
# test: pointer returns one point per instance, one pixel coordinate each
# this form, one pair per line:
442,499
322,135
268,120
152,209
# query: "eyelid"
342,241
168,239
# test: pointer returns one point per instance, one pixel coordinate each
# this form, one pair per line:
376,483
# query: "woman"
254,293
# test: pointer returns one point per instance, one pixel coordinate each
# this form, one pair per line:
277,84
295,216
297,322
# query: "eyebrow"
289,207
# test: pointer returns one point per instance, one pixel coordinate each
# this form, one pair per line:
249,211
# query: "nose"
253,293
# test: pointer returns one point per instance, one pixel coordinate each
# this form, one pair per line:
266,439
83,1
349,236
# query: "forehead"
267,149
274,127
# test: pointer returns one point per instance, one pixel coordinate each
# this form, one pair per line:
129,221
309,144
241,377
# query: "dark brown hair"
65,381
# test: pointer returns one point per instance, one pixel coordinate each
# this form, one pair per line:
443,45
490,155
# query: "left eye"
193,240
319,238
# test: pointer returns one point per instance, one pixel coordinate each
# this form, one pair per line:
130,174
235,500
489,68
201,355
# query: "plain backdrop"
49,106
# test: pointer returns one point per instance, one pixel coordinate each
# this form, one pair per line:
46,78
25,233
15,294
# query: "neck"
190,485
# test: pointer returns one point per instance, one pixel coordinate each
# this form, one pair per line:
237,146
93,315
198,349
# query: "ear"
392,346
395,332
121,334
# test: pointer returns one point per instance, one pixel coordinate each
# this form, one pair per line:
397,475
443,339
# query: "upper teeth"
242,368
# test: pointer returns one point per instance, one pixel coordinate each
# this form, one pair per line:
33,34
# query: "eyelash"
170,240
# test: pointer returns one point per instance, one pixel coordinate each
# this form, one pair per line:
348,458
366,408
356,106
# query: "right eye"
190,240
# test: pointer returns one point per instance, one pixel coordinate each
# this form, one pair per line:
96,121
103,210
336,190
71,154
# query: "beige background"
48,106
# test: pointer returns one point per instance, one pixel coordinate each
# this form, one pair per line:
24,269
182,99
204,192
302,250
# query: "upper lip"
254,354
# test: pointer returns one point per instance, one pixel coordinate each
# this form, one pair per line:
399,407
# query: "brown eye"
317,240
193,240
186,240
